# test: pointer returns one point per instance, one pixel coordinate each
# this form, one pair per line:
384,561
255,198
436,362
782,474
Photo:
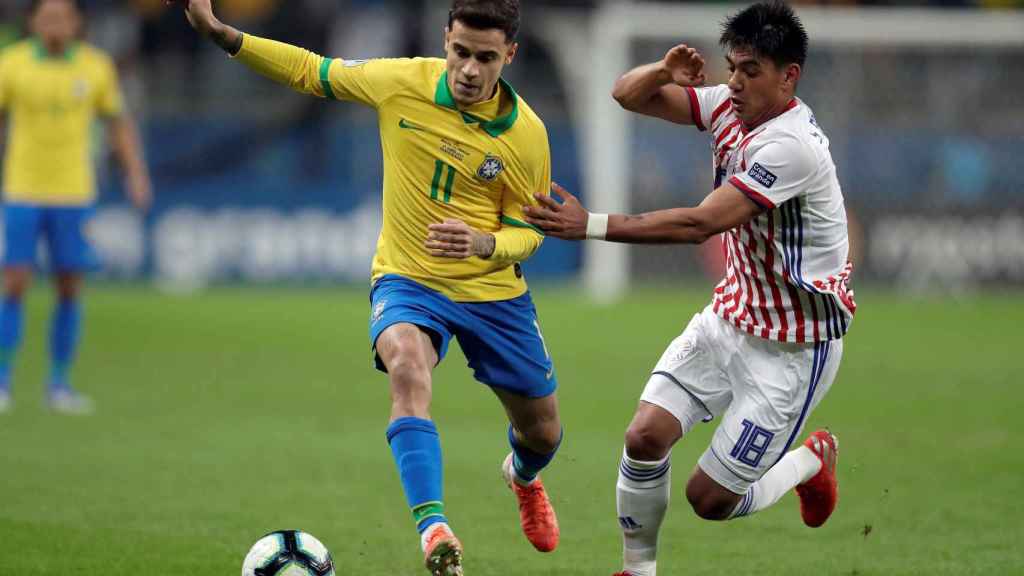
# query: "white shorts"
762,390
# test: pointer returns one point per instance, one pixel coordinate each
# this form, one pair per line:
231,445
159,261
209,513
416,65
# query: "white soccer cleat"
67,401
5,401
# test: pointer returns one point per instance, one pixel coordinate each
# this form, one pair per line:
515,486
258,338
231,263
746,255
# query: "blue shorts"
63,227
501,340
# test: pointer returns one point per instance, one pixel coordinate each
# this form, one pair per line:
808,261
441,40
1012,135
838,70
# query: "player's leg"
16,282
644,484
685,388
749,465
534,433
71,256
409,356
504,347
21,228
409,339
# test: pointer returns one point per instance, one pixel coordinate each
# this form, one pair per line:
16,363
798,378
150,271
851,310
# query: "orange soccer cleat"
537,517
442,551
819,495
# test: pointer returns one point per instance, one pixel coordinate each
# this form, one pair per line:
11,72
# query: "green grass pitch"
227,415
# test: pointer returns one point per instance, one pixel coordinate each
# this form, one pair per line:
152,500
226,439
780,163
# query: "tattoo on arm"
228,38
488,246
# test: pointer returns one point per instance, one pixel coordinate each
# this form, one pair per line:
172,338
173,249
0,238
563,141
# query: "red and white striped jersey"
788,270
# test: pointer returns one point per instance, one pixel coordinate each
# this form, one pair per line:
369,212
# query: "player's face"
475,60
56,23
760,88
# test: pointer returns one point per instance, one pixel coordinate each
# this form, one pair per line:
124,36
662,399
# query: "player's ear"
447,38
792,74
511,53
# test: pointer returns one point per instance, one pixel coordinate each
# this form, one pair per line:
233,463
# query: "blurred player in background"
766,350
462,156
52,88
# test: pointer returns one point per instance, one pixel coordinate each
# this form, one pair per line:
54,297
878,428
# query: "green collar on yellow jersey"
42,54
496,127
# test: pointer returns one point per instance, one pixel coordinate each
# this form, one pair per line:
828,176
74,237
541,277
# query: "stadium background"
225,337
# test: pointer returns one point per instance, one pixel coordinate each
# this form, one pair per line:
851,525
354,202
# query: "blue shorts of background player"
504,347
62,229
501,340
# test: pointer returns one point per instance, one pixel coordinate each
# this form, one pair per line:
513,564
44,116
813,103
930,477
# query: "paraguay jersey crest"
490,168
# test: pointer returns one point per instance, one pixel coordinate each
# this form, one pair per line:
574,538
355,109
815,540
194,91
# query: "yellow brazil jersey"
480,165
51,104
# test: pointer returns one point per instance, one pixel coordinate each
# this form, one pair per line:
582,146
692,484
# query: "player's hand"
199,14
567,220
140,191
685,65
456,239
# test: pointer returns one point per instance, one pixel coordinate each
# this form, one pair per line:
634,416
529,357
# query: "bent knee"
407,357
647,443
543,439
710,505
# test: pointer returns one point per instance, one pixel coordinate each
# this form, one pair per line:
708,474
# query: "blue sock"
526,462
10,337
64,331
416,447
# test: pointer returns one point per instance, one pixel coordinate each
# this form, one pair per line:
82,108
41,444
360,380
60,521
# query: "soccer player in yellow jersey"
52,89
463,153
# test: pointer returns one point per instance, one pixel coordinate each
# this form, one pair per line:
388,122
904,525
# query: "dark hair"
35,4
769,29
487,14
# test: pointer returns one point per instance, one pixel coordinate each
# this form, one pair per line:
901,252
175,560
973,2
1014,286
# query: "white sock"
642,495
796,467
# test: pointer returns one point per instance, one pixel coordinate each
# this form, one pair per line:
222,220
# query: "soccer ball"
288,553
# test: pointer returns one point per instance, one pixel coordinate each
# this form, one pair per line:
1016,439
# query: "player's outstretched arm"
656,89
725,208
283,63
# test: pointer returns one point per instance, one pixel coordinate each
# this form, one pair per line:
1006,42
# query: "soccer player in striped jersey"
764,353
463,154
53,88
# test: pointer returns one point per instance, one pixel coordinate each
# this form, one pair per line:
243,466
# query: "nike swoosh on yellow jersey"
408,126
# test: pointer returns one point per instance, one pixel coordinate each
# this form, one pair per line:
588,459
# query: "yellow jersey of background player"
463,154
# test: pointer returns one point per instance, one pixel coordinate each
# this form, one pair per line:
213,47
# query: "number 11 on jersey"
435,186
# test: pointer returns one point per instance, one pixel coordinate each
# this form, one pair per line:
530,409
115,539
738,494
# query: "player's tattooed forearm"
229,39
488,246
630,218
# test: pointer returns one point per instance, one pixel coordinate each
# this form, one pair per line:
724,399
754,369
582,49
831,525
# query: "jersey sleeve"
109,101
367,81
370,82
706,104
775,170
517,240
